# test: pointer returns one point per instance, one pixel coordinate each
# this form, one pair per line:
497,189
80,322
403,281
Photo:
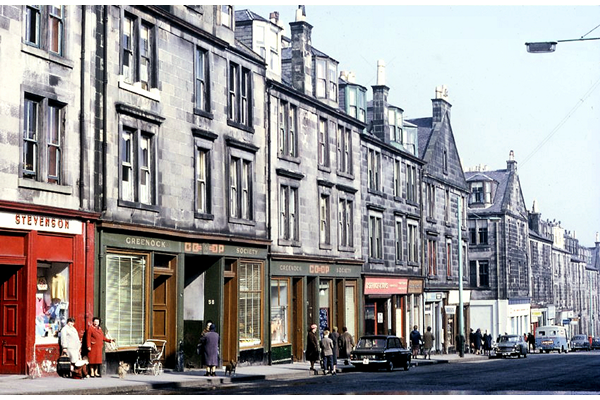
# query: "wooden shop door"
12,311
164,306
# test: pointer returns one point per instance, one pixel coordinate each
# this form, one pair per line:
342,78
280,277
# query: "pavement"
52,384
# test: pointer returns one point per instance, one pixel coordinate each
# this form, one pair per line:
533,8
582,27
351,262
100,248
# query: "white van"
550,338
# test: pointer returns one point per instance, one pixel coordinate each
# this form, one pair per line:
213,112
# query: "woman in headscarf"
210,344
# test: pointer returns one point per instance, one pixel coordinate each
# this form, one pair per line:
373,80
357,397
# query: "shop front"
392,305
434,310
451,319
46,276
305,292
157,287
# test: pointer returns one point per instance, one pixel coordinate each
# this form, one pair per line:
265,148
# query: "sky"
544,107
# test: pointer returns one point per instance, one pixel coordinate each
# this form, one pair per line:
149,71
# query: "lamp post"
549,47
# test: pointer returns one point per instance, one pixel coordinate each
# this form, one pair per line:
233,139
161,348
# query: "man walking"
428,339
415,341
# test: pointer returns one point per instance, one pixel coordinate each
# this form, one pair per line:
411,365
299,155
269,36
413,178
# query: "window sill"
324,168
431,220
138,206
208,217
295,160
46,55
346,249
323,246
287,242
345,175
45,186
240,126
203,113
241,221
152,94
412,203
375,192
375,260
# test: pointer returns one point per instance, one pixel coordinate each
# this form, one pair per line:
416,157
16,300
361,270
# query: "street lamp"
549,47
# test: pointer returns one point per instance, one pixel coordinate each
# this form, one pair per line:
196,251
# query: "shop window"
51,301
126,298
280,311
250,307
325,305
350,304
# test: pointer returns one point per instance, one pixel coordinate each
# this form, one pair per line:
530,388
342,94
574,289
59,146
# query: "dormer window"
395,123
356,100
481,192
227,16
326,79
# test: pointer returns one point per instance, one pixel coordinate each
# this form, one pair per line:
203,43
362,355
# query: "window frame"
412,241
398,231
140,131
202,95
239,100
289,227
374,170
40,33
432,257
323,143
411,184
134,75
324,219
376,235
344,150
41,142
256,334
206,193
288,130
345,222
449,258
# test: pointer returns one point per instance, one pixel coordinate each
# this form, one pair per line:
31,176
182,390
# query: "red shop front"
46,276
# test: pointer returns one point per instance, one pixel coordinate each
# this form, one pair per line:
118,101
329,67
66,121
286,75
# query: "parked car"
380,351
580,342
510,345
596,343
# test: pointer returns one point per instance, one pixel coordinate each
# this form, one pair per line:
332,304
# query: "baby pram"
148,357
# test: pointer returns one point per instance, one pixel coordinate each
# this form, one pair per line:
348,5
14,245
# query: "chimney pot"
380,72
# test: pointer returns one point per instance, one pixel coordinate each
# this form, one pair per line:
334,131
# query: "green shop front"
307,292
162,286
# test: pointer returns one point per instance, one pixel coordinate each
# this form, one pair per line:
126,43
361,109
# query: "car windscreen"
579,337
508,339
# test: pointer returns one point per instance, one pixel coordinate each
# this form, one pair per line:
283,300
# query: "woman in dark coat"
95,339
210,344
478,340
487,343
312,347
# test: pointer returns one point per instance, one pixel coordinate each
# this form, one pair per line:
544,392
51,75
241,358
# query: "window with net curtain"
249,306
125,298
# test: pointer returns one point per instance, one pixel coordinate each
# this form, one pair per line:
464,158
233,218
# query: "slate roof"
424,131
247,15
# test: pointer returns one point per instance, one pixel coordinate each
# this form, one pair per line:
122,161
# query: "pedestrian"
346,344
200,346
415,341
69,340
487,342
327,350
471,341
94,337
478,340
210,346
312,347
334,336
531,341
428,339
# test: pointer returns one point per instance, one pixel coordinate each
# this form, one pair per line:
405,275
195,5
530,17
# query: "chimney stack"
511,164
441,104
302,69
381,124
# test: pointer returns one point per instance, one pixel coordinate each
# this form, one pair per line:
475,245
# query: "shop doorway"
297,324
164,305
12,307
230,312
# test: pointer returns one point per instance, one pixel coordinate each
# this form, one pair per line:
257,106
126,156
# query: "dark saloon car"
511,345
380,351
580,342
595,343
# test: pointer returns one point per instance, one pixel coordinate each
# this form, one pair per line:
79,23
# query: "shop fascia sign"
314,269
35,222
386,285
215,249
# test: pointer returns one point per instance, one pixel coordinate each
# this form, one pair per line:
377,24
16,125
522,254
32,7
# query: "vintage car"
596,343
580,342
380,351
510,345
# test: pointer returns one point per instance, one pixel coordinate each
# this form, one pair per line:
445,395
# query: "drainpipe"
268,205
104,105
497,279
82,134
